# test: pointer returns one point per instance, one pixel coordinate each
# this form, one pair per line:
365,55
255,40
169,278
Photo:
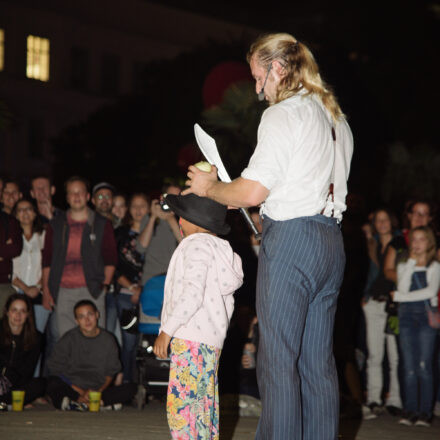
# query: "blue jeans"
129,340
52,336
417,344
112,323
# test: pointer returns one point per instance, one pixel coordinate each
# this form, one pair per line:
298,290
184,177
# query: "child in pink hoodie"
203,274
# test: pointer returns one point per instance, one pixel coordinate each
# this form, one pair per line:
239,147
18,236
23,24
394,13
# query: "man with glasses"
102,199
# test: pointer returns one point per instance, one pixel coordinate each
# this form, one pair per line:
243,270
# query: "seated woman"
20,348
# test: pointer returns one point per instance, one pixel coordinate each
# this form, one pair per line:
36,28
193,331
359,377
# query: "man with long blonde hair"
299,173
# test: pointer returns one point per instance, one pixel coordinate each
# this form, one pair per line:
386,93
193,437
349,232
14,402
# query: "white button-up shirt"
294,158
27,266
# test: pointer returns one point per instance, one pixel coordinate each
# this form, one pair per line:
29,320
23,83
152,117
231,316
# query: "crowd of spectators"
388,352
68,276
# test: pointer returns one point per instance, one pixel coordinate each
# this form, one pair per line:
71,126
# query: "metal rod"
250,223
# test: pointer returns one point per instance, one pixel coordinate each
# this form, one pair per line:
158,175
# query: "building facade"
60,61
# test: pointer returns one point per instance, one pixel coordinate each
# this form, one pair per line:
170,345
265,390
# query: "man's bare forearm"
109,271
240,193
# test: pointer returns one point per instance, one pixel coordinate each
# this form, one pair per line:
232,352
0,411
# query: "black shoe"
408,419
376,408
393,410
71,405
423,420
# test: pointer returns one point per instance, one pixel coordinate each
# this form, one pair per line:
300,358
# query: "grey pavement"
44,423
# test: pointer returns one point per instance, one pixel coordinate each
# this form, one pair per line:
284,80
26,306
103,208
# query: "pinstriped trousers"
301,265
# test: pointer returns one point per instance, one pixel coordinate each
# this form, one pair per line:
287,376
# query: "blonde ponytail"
301,69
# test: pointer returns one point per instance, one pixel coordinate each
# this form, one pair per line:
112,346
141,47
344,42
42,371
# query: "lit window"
2,49
37,66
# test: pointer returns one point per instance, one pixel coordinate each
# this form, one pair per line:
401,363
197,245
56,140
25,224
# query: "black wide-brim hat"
200,211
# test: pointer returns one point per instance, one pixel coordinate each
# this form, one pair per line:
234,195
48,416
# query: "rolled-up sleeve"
271,157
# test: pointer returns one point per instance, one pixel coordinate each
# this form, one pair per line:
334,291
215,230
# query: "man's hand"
84,397
45,208
32,291
200,182
161,345
48,301
246,360
392,294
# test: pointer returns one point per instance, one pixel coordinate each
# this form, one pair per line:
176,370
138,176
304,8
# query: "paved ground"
43,423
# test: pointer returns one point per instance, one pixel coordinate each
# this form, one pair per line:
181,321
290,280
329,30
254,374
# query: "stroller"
153,372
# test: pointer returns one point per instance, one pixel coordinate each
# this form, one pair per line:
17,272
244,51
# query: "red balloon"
220,78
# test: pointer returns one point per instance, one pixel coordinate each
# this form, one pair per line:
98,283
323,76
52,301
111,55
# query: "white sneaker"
65,403
114,407
367,413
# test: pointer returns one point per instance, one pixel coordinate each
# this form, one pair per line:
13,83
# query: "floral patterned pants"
192,402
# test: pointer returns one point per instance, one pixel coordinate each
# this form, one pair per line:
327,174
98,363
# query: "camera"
163,204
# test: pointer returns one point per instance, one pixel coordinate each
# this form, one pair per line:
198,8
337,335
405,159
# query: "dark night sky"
380,57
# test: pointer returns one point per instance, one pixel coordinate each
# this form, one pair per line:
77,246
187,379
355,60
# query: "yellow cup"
17,400
94,400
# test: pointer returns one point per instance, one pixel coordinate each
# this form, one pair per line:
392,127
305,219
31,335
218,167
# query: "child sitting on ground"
203,274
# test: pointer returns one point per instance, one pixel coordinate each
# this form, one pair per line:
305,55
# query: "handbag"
129,319
433,314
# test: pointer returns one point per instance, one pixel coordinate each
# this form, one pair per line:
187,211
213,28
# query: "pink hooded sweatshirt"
202,277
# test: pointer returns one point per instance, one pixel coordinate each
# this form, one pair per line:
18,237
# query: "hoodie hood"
203,274
227,262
